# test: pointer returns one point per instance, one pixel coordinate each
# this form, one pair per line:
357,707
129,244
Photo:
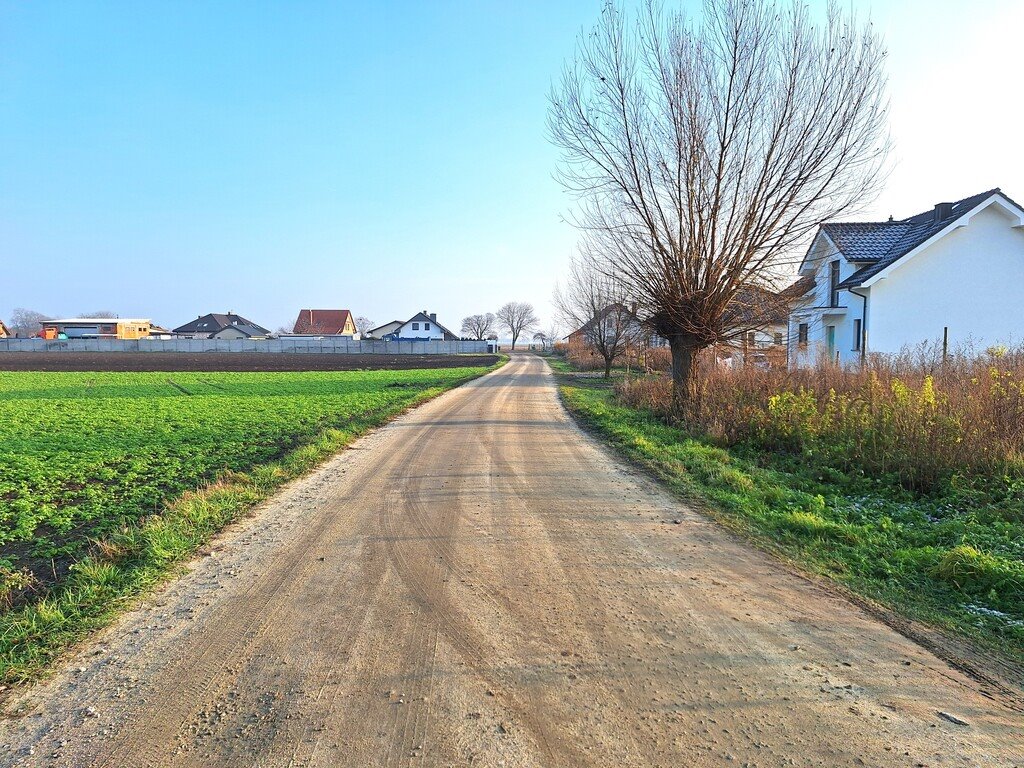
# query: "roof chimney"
433,316
943,211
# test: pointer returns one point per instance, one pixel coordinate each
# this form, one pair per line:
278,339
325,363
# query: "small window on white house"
833,284
802,334
415,326
751,338
426,326
778,338
856,334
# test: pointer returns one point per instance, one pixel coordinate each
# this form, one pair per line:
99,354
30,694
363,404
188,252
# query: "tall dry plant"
925,419
703,154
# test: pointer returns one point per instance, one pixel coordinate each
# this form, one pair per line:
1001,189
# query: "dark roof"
753,306
215,321
801,287
246,328
326,321
866,241
875,245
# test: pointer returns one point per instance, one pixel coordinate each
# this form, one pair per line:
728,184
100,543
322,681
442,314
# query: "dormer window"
833,284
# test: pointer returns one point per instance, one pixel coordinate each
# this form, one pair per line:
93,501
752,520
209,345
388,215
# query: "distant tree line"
516,318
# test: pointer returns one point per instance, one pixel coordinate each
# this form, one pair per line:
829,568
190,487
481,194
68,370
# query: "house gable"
950,274
999,201
206,325
329,322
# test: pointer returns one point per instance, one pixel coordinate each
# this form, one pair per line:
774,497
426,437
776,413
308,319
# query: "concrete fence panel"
285,345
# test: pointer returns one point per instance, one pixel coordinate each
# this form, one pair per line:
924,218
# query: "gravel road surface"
479,583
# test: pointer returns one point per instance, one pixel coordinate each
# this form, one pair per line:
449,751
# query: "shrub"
928,424
974,572
812,525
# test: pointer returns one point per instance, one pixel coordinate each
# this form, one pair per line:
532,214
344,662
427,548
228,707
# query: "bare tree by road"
703,155
478,327
100,313
26,322
595,304
517,317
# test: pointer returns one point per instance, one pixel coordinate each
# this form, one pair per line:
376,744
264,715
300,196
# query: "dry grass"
928,422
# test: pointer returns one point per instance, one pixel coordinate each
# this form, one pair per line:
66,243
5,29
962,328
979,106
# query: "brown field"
228,361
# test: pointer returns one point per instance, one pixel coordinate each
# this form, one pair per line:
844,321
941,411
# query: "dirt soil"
480,583
228,361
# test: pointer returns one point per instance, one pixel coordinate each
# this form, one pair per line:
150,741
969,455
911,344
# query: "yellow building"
96,328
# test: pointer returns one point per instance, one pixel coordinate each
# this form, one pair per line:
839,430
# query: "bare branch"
704,154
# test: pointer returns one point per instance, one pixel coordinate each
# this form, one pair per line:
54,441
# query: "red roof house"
325,322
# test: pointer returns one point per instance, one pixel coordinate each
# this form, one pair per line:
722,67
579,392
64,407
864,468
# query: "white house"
422,326
951,273
383,330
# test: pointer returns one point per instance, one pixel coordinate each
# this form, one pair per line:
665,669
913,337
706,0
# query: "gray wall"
298,345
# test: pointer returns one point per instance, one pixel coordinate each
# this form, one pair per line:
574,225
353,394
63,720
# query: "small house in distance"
95,328
221,326
324,322
422,326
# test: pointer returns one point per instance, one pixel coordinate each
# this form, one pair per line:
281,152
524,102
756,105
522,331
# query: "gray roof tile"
877,244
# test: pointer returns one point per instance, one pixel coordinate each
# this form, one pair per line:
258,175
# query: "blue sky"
169,159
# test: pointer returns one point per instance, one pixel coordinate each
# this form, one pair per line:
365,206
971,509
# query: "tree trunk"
684,371
514,337
607,367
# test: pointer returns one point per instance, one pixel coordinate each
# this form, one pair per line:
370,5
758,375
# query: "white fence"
326,345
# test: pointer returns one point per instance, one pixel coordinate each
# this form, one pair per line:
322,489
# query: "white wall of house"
228,332
420,329
968,281
384,330
816,312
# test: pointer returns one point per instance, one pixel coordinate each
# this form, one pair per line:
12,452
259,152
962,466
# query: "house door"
831,331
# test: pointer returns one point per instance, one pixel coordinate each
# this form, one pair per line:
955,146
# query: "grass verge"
131,561
889,547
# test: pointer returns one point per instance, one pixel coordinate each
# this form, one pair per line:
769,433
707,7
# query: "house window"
802,334
426,326
856,335
415,326
833,284
778,338
751,338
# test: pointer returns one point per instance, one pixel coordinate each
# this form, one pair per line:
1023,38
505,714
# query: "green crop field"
102,476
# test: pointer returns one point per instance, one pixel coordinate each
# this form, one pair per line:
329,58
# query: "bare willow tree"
703,154
595,304
516,317
478,327
363,324
26,322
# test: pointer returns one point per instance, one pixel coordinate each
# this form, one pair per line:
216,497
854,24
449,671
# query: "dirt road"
480,584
